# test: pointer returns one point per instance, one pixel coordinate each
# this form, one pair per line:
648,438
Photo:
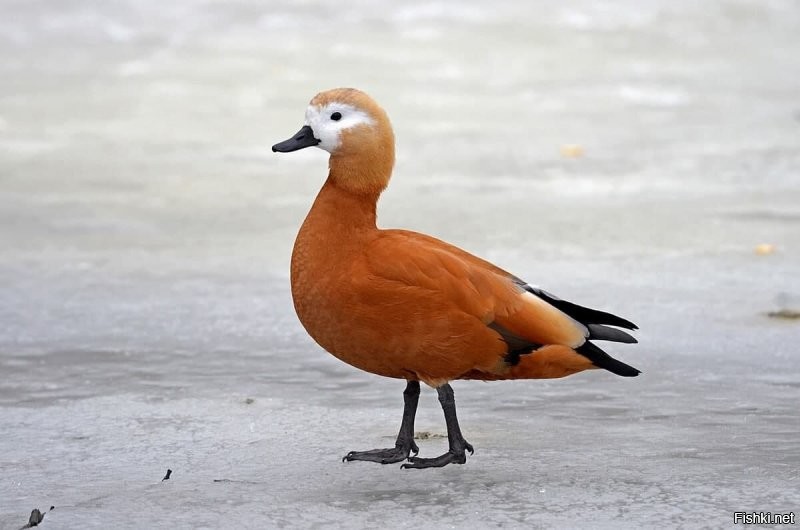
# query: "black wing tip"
596,316
600,332
603,360
585,315
630,371
619,368
628,325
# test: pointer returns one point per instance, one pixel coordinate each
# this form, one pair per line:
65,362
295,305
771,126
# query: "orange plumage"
405,305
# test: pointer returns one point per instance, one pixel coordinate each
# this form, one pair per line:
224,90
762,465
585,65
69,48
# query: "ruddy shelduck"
406,305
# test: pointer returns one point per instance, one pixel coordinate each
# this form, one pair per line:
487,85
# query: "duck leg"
458,445
405,438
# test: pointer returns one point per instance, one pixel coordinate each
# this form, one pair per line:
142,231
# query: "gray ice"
145,232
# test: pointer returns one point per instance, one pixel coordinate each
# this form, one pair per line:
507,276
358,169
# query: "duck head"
349,125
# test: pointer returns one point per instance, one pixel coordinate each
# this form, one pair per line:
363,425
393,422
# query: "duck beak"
304,138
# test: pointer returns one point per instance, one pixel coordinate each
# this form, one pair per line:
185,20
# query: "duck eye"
336,116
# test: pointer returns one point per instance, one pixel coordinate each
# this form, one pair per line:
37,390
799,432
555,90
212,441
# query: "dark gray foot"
450,457
458,445
382,456
405,438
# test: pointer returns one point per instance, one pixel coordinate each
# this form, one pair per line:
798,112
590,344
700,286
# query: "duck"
408,306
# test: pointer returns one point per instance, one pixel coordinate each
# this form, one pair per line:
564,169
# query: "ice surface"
145,232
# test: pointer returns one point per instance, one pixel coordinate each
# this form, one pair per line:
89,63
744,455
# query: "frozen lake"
145,233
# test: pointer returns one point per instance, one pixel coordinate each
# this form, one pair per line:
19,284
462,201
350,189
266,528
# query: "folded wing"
526,318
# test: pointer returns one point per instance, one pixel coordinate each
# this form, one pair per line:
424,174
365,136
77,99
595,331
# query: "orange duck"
406,305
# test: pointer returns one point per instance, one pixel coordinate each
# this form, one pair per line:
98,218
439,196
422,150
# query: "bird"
406,305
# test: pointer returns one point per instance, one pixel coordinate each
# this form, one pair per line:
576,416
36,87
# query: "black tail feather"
582,314
603,360
599,332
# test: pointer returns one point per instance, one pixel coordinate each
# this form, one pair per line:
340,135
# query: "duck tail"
603,360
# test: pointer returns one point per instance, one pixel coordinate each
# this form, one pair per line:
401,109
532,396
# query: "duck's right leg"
405,438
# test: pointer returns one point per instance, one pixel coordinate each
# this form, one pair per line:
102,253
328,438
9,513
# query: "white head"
349,125
330,120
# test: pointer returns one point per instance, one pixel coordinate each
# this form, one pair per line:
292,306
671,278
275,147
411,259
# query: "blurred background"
640,157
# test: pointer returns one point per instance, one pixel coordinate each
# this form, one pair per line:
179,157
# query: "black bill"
304,138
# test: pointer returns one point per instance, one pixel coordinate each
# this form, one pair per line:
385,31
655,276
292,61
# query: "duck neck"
364,170
340,213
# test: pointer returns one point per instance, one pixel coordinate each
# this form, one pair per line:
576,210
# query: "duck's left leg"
458,445
405,438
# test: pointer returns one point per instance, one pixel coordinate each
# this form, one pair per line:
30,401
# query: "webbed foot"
455,455
383,456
